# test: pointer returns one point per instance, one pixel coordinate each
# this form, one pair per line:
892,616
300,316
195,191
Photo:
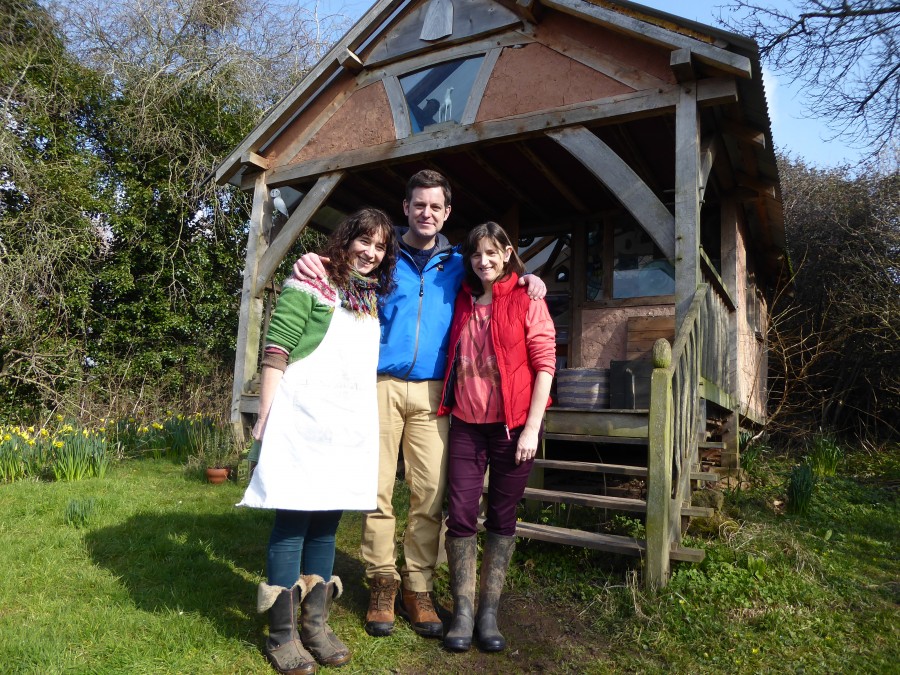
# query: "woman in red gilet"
501,362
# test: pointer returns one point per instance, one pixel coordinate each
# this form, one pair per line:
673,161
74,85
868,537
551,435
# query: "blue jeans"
306,534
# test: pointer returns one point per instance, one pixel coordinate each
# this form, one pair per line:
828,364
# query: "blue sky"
793,131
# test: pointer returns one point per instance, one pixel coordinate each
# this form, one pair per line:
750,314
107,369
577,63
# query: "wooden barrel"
585,388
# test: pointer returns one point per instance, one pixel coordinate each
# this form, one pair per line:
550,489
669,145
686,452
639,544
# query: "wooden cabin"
629,151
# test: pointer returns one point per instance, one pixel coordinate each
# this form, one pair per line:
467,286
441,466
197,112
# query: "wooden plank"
594,501
246,356
682,65
471,19
285,109
712,392
611,543
743,132
592,467
479,86
439,54
717,91
711,275
299,219
585,438
399,109
254,160
617,423
623,182
568,537
618,469
608,110
687,203
727,61
350,61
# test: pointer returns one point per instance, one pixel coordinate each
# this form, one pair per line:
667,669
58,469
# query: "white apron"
320,447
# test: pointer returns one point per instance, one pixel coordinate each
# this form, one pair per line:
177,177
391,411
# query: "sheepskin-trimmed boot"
461,558
315,632
283,647
498,551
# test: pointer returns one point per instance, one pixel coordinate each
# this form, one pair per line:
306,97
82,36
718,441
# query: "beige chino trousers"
407,417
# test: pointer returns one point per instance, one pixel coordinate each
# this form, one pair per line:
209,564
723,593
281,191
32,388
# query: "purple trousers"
474,447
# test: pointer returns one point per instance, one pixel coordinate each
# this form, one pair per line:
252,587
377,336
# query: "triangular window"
438,95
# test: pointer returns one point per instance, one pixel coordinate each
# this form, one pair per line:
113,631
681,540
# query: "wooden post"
687,201
730,434
247,349
659,466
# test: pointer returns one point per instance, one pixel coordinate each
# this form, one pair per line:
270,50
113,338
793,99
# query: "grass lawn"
161,578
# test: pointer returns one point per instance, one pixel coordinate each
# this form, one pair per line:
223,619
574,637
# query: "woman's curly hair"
366,221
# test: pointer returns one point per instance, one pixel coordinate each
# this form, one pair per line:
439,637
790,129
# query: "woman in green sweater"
318,423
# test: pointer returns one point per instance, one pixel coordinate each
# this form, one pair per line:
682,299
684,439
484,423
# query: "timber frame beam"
623,182
636,105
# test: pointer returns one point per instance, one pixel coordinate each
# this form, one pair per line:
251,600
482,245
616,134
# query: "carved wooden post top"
662,353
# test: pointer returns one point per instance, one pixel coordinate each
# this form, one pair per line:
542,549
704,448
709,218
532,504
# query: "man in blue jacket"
415,327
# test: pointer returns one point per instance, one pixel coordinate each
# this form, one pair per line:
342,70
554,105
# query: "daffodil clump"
64,450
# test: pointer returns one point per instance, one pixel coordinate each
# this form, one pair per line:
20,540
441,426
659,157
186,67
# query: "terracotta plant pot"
216,476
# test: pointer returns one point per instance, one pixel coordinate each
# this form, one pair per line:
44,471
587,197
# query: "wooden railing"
677,419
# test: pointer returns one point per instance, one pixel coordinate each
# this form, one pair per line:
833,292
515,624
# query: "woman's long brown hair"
366,221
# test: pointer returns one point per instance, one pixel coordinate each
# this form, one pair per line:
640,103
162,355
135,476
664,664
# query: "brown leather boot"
380,617
283,647
315,633
418,609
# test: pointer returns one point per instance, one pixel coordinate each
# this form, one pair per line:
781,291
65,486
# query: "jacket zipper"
440,258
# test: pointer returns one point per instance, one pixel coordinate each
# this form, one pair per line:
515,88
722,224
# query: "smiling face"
426,211
367,252
489,260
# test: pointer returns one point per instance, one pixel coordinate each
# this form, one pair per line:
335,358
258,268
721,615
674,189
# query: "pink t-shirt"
478,396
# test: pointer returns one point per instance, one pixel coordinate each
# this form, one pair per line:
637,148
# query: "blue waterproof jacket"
415,318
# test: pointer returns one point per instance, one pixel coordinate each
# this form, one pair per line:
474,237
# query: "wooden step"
588,438
619,469
603,502
711,445
612,424
611,543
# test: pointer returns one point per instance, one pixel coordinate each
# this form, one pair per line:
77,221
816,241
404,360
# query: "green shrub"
800,489
80,511
824,456
81,455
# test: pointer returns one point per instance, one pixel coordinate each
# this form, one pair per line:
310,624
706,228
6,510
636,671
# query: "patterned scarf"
360,295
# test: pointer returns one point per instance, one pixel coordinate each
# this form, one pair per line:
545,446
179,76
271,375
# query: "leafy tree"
118,113
835,339
845,54
50,206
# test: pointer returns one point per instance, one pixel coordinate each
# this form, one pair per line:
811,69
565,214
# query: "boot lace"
382,598
423,602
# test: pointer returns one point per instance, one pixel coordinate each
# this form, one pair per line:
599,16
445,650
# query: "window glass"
439,94
639,267
595,263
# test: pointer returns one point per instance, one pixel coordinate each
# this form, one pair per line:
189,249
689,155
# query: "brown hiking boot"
380,617
418,609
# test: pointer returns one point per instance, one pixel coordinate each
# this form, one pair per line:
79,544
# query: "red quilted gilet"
510,305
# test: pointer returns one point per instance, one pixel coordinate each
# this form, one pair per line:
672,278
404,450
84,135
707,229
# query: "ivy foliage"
120,259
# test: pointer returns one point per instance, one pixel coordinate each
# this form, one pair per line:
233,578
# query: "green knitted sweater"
302,316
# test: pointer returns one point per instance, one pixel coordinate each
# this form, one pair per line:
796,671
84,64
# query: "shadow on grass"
208,565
